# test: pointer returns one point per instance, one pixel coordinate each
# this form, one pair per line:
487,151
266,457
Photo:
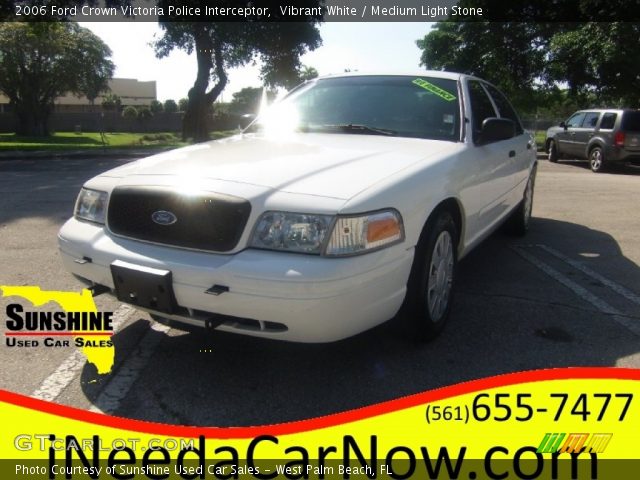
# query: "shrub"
170,106
158,137
156,107
144,113
130,112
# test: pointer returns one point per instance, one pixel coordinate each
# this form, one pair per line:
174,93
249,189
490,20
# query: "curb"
92,153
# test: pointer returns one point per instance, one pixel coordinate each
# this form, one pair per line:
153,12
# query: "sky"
356,46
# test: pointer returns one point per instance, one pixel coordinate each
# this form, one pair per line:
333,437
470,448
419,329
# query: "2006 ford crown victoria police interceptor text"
353,197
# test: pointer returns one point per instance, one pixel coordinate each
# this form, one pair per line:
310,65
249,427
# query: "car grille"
204,221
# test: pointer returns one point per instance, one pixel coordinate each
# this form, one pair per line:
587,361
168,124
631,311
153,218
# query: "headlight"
363,233
308,233
292,232
91,205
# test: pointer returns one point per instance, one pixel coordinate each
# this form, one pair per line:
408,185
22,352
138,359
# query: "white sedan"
350,201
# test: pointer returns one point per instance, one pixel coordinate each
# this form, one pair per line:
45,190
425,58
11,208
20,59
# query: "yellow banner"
564,423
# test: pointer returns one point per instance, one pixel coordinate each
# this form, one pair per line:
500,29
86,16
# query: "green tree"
510,55
596,59
307,73
156,107
111,101
182,104
528,59
170,106
219,46
248,100
42,61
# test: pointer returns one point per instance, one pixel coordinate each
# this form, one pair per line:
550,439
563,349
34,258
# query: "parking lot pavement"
567,294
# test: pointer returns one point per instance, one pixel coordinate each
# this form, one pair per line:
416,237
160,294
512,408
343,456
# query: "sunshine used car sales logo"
78,324
53,325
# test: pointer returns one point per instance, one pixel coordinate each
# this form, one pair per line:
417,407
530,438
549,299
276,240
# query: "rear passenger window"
505,108
590,120
608,121
631,121
481,107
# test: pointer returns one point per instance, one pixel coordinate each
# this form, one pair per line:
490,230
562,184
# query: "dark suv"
603,136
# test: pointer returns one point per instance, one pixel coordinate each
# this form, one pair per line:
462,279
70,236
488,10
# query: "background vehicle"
603,136
351,199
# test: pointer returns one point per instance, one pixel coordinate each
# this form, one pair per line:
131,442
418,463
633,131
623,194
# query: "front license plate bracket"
144,287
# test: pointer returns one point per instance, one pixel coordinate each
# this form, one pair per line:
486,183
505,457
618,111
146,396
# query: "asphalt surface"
567,294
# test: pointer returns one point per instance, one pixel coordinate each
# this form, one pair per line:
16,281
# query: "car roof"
402,73
599,110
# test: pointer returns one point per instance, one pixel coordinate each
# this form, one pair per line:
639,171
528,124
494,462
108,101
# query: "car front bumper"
287,296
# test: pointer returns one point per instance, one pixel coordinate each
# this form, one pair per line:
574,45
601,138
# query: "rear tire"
596,160
433,275
553,152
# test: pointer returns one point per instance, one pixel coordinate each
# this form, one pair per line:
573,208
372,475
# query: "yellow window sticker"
434,89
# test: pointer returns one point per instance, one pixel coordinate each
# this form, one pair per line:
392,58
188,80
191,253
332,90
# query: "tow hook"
98,290
212,323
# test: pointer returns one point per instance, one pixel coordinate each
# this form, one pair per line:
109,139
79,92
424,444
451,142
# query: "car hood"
329,165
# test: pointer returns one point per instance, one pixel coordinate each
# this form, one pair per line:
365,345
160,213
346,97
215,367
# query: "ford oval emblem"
162,217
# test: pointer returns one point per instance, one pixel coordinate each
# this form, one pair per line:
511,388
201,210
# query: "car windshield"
403,106
631,121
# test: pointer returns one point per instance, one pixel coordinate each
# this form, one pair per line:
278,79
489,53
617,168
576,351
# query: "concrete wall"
95,122
114,122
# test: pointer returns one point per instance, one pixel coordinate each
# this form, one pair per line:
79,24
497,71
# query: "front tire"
433,275
596,160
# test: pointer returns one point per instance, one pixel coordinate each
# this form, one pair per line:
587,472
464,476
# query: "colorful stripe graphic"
574,443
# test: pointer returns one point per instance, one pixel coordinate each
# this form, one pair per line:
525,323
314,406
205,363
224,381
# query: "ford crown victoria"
349,201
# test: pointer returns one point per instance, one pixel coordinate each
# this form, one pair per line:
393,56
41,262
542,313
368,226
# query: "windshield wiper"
352,127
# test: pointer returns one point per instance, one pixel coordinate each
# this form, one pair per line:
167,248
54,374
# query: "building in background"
131,92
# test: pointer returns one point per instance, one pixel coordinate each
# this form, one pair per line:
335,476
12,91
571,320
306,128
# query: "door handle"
529,145
512,153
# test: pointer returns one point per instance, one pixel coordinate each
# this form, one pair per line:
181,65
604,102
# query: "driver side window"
575,121
481,107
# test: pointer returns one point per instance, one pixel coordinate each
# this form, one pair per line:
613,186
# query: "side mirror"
496,129
563,125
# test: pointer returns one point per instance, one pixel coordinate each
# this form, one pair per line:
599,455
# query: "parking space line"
54,384
600,304
116,390
616,287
